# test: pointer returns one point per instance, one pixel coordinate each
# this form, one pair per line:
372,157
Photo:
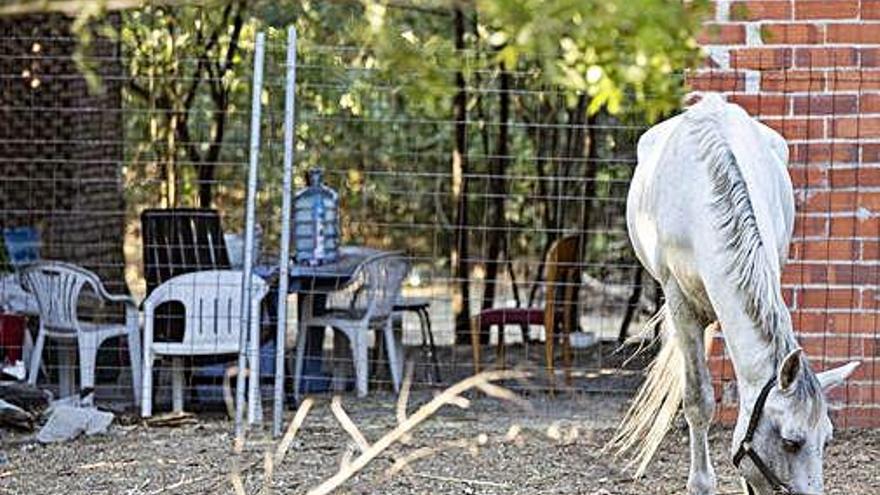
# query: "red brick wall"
811,70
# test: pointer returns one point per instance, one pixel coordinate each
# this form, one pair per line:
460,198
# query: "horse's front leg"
699,400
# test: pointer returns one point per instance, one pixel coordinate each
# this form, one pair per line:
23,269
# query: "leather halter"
745,447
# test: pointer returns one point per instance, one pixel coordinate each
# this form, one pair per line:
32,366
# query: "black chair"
178,241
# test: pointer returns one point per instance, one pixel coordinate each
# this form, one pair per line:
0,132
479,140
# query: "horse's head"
788,429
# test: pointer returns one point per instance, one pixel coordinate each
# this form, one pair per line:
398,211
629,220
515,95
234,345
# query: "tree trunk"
498,191
461,264
589,186
632,304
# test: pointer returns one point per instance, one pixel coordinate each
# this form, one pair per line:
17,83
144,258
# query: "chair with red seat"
559,312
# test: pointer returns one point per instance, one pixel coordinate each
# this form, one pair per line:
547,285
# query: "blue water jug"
316,222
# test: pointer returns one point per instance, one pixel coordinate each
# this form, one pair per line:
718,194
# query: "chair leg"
147,384
567,356
395,362
500,354
549,342
177,383
88,351
36,358
134,355
425,318
475,341
135,358
339,357
298,364
66,358
358,340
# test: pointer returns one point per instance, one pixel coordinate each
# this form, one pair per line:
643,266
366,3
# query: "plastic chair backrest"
22,246
57,286
384,278
182,240
212,305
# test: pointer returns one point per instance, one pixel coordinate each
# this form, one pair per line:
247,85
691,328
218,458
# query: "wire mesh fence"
503,195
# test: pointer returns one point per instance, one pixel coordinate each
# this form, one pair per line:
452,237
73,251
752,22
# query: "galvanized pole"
250,345
284,257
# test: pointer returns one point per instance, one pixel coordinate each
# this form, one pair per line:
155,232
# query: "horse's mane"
748,263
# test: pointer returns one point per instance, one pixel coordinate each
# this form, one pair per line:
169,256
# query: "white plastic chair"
212,326
372,293
57,288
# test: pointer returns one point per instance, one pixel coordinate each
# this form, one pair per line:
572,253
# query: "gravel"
558,450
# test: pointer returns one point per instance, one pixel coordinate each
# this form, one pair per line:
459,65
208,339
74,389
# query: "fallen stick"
411,422
301,412
348,425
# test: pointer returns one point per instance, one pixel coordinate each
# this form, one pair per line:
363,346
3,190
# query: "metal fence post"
250,345
284,257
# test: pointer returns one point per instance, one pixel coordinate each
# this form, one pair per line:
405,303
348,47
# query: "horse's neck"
755,357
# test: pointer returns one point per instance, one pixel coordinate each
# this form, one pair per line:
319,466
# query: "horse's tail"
654,408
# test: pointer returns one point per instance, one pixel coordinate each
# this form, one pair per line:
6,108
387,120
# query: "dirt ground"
557,450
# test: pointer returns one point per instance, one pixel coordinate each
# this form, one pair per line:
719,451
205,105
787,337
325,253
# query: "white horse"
710,214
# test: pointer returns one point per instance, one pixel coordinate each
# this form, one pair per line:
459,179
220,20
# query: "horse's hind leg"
699,400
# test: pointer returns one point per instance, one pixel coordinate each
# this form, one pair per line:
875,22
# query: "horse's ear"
790,370
836,376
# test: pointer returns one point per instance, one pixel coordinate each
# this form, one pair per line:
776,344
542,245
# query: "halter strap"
745,447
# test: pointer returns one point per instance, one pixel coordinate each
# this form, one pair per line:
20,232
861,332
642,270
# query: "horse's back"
669,207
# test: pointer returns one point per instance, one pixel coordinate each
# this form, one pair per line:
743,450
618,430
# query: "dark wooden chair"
559,313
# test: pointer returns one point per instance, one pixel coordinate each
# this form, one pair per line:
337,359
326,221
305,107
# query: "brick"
855,127
870,298
717,81
825,250
810,226
826,9
850,274
828,298
842,201
761,58
799,273
870,251
871,153
861,393
791,34
871,9
826,104
753,11
831,152
854,177
870,103
826,57
793,80
722,34
797,128
808,177
869,57
824,345
758,105
856,417
854,226
788,297
854,80
853,33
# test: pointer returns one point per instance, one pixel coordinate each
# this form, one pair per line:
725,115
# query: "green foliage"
375,89
627,55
